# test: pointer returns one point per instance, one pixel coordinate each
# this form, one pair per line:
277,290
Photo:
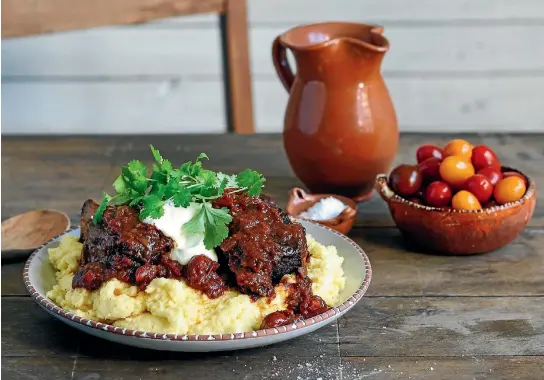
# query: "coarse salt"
326,208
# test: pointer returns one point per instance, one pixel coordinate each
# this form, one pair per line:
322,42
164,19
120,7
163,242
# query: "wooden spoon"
25,232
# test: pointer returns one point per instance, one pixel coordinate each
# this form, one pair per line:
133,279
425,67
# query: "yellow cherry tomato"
455,171
465,200
509,189
458,147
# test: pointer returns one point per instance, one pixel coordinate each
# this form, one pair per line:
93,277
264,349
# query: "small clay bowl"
459,232
300,201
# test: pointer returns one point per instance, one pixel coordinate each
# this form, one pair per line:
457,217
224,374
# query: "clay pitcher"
340,127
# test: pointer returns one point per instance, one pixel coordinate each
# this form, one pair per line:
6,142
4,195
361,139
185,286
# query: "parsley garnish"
190,184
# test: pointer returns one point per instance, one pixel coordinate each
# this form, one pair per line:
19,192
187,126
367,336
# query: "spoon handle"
15,255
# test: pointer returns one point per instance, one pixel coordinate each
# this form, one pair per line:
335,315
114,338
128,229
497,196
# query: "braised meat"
263,243
121,247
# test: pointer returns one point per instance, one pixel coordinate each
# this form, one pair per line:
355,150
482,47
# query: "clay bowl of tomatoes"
458,199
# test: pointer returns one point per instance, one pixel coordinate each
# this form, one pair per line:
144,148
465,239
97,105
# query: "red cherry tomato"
438,194
492,174
482,157
513,174
430,169
425,152
480,186
406,180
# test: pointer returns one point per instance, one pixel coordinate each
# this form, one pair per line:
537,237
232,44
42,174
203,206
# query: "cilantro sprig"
189,185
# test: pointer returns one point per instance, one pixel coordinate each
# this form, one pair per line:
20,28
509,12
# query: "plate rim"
276,331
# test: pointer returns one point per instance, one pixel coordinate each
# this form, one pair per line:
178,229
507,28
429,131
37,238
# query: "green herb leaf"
156,154
216,225
119,185
196,224
231,181
97,218
182,198
137,167
212,222
125,197
152,207
252,181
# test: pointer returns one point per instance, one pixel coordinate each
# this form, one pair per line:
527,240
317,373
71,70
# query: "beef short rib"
263,243
119,246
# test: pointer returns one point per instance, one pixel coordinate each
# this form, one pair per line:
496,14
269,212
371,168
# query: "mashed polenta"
170,306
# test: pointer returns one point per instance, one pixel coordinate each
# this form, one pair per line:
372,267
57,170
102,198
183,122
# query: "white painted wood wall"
454,65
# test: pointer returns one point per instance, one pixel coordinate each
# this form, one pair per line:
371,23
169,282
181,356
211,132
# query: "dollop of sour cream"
186,245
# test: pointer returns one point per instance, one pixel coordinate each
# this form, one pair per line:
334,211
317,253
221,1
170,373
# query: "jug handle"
279,56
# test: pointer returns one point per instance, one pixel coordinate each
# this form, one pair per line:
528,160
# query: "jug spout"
317,36
329,47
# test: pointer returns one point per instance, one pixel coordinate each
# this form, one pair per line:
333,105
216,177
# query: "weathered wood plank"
326,368
26,17
168,105
413,11
398,269
147,51
403,326
427,104
431,104
443,327
464,368
37,368
121,51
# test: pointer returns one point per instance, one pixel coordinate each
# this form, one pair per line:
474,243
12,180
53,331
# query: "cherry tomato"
438,194
492,174
430,169
465,200
406,180
480,186
455,170
513,174
482,157
458,147
509,189
425,152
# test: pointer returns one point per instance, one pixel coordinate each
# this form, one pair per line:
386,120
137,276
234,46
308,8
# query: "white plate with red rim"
39,278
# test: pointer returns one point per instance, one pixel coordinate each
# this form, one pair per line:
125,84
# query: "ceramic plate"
39,278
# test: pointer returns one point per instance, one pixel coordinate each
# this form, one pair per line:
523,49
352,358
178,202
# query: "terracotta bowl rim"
350,203
385,191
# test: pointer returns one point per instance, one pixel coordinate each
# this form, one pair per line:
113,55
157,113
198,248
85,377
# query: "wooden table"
424,317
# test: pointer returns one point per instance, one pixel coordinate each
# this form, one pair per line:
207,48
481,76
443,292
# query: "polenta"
170,306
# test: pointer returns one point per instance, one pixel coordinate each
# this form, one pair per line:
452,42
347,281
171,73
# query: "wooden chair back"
34,17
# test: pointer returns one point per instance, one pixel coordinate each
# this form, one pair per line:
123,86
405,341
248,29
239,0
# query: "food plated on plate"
458,199
192,251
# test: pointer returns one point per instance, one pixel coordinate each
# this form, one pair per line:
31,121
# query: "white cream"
186,245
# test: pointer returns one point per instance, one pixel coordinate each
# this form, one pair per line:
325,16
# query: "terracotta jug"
340,127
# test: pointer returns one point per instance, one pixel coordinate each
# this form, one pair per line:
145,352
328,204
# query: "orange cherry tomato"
458,147
455,170
509,189
465,200
516,174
